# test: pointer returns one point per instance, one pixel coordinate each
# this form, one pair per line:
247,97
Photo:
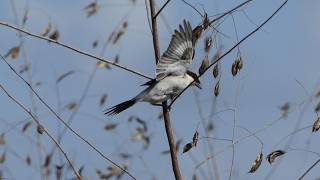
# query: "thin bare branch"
165,4
309,169
73,49
165,110
235,46
44,130
65,123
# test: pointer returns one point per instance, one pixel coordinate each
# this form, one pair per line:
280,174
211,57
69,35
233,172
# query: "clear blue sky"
285,51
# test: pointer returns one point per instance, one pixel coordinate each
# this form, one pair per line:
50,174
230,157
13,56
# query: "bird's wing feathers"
176,59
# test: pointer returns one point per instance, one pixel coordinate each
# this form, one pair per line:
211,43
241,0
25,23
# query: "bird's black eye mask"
194,76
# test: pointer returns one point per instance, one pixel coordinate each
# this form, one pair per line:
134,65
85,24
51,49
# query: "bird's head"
195,78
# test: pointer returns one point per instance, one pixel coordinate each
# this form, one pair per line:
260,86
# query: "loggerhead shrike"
172,74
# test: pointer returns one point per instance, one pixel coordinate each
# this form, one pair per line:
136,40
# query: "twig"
44,130
74,49
165,110
309,169
65,123
165,4
235,46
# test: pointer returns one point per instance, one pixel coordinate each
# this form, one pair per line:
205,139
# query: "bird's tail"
120,107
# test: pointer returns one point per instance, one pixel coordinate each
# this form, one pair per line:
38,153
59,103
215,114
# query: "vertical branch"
165,109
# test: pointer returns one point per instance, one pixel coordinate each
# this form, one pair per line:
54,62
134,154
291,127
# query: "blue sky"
283,52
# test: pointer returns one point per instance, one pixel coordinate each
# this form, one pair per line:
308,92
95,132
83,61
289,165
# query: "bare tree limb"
73,49
165,110
165,4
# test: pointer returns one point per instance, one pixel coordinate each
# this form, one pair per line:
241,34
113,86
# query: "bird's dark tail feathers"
120,107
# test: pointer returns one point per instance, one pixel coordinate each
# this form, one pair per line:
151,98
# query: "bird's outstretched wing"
176,59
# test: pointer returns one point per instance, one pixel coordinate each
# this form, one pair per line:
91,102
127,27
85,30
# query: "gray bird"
172,74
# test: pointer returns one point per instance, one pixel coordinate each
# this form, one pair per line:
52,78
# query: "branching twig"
165,110
43,129
165,4
74,49
65,123
233,47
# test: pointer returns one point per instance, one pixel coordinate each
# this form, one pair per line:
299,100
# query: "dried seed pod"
71,106
117,37
208,44
195,139
256,164
95,43
92,8
240,63
46,30
54,35
316,125
2,140
206,21
63,76
234,69
196,33
274,154
217,89
28,160
215,71
3,158
47,161
204,65
26,126
40,129
187,147
103,100
111,126
285,109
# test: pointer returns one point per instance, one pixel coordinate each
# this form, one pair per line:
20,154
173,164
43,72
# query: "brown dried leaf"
13,52
215,71
2,140
46,30
54,35
111,126
103,99
256,164
195,139
217,89
316,125
187,147
206,21
26,126
273,155
40,129
63,76
204,65
240,63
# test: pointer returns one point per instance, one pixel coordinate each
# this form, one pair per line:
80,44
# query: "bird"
172,72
